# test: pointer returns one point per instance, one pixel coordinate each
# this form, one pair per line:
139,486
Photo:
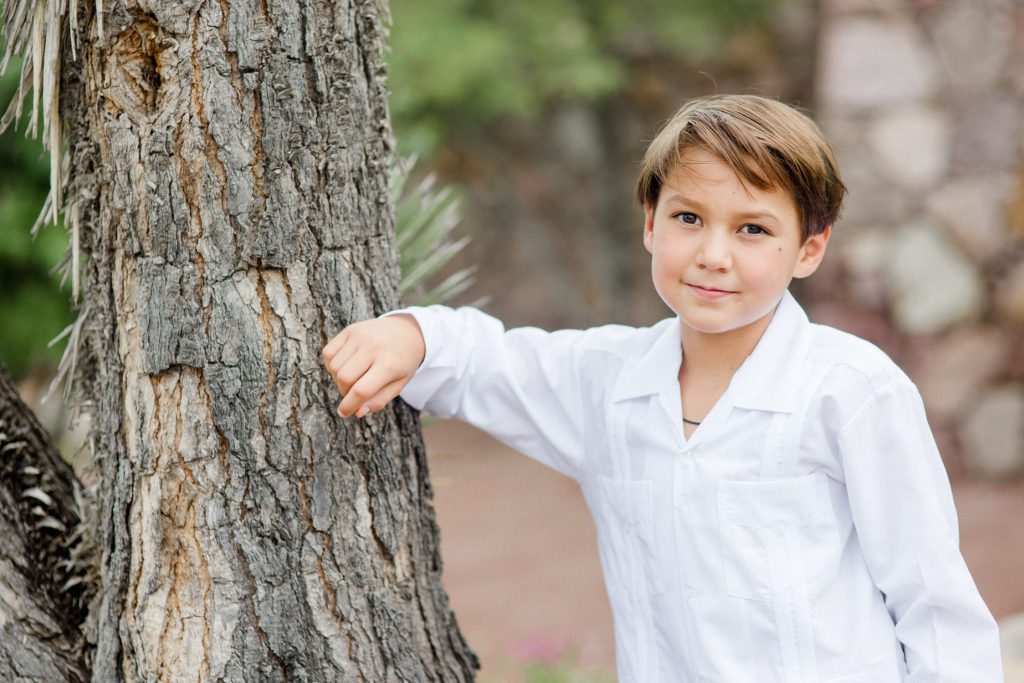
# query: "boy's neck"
721,354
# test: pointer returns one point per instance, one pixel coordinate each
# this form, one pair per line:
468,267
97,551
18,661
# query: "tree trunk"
229,169
39,637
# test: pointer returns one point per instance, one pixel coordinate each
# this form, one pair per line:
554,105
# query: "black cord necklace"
690,422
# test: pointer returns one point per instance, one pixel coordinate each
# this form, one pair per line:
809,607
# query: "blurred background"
536,114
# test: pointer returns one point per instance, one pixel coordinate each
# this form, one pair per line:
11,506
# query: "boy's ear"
648,227
811,253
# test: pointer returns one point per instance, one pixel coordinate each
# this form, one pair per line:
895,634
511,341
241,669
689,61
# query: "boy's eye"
752,229
687,217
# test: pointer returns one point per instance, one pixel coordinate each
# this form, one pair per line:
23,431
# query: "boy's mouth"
709,292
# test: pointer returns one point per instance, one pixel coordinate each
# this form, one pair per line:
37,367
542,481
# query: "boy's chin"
702,328
711,326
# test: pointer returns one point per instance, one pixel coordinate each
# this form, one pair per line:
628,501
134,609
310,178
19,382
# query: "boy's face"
723,252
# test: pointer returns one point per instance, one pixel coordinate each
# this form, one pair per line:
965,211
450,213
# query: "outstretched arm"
519,385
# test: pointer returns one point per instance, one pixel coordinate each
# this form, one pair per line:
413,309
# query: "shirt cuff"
439,359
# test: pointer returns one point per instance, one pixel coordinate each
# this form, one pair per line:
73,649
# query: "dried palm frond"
69,359
36,30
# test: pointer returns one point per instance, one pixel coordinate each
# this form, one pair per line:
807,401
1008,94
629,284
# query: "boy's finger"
342,358
352,371
368,386
334,345
381,398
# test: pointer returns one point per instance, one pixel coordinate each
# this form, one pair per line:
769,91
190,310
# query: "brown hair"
767,143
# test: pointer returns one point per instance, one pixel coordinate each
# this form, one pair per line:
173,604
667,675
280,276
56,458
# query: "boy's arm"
903,512
519,385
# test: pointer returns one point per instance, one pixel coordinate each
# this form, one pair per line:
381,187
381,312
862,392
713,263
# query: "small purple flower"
538,648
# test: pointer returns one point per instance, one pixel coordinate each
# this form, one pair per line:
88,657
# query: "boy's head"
768,144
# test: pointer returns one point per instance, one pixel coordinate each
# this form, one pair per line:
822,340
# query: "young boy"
769,501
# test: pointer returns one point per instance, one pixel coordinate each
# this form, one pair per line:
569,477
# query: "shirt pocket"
627,507
786,523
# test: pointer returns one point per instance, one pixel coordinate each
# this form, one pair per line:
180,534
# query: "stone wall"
924,103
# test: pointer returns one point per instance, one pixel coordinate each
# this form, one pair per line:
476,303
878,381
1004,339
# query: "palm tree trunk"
228,182
40,638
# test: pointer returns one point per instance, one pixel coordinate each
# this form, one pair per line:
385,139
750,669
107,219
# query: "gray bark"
39,624
229,165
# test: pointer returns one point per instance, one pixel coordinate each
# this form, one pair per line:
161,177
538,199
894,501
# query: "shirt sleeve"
903,512
519,385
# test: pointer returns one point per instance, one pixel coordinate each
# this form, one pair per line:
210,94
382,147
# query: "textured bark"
39,624
229,165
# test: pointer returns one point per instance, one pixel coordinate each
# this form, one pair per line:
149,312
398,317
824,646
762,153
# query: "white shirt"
804,533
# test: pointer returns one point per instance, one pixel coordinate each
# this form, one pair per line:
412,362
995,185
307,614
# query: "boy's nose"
714,253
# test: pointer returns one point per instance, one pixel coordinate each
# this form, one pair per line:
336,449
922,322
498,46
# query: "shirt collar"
770,376
767,380
656,368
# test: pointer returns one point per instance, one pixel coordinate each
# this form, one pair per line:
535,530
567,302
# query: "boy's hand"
371,361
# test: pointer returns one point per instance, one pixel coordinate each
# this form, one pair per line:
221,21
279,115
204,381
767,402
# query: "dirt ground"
521,565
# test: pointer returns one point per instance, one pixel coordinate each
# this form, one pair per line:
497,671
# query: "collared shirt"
805,532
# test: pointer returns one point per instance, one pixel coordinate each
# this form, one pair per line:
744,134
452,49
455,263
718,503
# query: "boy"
769,501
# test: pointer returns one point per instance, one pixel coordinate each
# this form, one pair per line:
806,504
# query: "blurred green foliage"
562,673
33,309
463,62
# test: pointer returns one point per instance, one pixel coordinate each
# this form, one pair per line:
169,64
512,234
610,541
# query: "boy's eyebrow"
748,215
758,216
